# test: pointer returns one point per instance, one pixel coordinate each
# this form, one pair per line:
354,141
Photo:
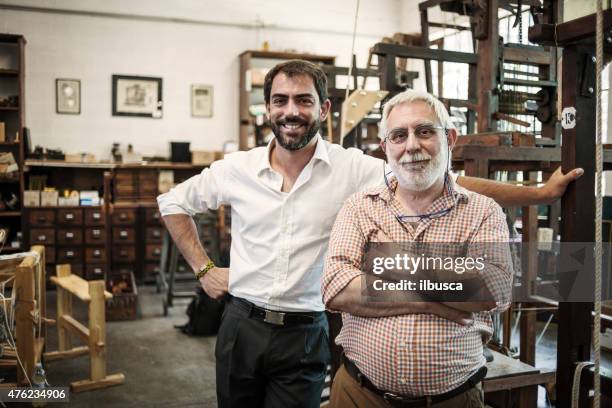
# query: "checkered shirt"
415,354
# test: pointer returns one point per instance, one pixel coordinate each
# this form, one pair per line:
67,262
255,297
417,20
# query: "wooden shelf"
9,72
144,165
10,213
9,108
9,143
61,163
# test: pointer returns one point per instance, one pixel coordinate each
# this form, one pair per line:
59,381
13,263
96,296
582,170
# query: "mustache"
292,120
415,157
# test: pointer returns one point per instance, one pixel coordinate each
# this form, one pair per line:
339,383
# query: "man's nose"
412,143
292,108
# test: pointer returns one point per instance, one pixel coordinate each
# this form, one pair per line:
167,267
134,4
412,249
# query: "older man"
405,352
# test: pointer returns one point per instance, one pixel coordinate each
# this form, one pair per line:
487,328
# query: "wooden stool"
94,336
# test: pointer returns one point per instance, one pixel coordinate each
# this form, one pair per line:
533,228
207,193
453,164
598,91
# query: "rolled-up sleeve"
197,194
345,254
492,239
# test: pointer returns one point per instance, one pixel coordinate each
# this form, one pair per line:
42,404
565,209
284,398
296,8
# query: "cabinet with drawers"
72,235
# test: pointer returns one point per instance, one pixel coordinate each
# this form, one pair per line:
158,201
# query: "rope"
350,71
598,205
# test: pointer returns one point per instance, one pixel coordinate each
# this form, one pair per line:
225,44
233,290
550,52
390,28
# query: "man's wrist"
204,270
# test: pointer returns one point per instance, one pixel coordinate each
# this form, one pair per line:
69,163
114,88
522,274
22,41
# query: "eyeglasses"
400,135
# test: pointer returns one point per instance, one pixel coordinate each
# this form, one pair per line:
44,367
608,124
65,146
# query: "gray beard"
293,146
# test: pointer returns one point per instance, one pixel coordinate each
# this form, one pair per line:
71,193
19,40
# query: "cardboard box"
68,201
202,157
31,198
48,198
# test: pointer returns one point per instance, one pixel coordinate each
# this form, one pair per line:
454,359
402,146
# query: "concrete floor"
162,366
166,368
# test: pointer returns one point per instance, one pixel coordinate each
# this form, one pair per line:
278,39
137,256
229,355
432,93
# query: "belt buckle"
272,317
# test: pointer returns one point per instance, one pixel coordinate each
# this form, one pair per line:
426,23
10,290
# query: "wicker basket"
124,304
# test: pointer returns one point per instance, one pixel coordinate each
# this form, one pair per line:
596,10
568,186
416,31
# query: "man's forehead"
299,83
414,113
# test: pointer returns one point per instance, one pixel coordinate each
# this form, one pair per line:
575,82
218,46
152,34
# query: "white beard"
423,178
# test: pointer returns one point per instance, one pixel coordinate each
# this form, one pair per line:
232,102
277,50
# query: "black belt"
409,402
275,317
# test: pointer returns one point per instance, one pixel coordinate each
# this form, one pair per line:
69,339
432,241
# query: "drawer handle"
123,216
42,237
156,216
97,271
96,216
97,253
123,253
69,235
156,233
69,216
123,234
95,233
69,254
157,251
41,218
156,269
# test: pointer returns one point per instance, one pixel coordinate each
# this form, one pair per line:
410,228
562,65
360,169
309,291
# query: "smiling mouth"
292,126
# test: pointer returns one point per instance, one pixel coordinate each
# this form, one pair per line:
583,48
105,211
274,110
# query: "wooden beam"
59,355
70,323
405,51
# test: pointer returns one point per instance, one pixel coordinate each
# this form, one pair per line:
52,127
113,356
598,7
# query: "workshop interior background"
106,104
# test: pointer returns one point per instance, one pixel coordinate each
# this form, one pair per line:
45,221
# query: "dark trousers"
263,365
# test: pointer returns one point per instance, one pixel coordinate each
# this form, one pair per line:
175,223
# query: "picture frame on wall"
137,96
68,96
201,101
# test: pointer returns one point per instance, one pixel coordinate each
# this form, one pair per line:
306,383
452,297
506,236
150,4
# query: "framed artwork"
201,101
68,96
137,96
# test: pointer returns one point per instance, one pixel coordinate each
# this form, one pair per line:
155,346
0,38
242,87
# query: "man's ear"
451,138
325,108
383,145
268,111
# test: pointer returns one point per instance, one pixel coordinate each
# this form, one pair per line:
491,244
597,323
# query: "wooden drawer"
73,236
49,254
95,255
147,184
123,235
151,268
94,271
154,234
124,253
152,216
122,268
94,216
70,216
42,218
95,235
69,255
153,252
43,236
124,216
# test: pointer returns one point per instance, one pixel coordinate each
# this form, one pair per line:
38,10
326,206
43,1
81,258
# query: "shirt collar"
451,190
320,153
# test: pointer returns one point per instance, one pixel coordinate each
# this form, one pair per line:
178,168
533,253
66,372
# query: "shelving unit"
253,65
12,84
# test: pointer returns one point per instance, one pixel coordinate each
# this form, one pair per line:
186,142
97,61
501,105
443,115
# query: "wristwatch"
203,270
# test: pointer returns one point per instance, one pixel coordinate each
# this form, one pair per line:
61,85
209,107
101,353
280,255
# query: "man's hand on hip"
215,282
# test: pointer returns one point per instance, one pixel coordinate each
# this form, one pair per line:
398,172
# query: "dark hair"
297,67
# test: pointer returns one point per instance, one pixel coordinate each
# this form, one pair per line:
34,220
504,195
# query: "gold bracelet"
203,270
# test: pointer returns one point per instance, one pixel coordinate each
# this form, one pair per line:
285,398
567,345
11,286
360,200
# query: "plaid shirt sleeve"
492,238
345,253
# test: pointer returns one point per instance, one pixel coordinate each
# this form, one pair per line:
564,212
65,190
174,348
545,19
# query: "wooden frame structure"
94,336
30,308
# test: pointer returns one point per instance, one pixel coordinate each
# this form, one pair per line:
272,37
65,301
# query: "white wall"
195,42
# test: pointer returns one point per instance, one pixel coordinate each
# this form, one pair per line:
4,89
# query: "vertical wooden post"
488,69
97,330
24,305
578,213
64,307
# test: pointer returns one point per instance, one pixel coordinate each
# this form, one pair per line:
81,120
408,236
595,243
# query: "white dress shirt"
279,240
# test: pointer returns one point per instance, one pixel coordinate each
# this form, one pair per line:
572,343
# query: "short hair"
408,96
297,67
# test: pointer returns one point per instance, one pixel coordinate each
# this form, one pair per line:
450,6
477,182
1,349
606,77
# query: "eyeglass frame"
414,132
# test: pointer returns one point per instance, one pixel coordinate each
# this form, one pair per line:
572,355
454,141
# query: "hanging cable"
350,70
